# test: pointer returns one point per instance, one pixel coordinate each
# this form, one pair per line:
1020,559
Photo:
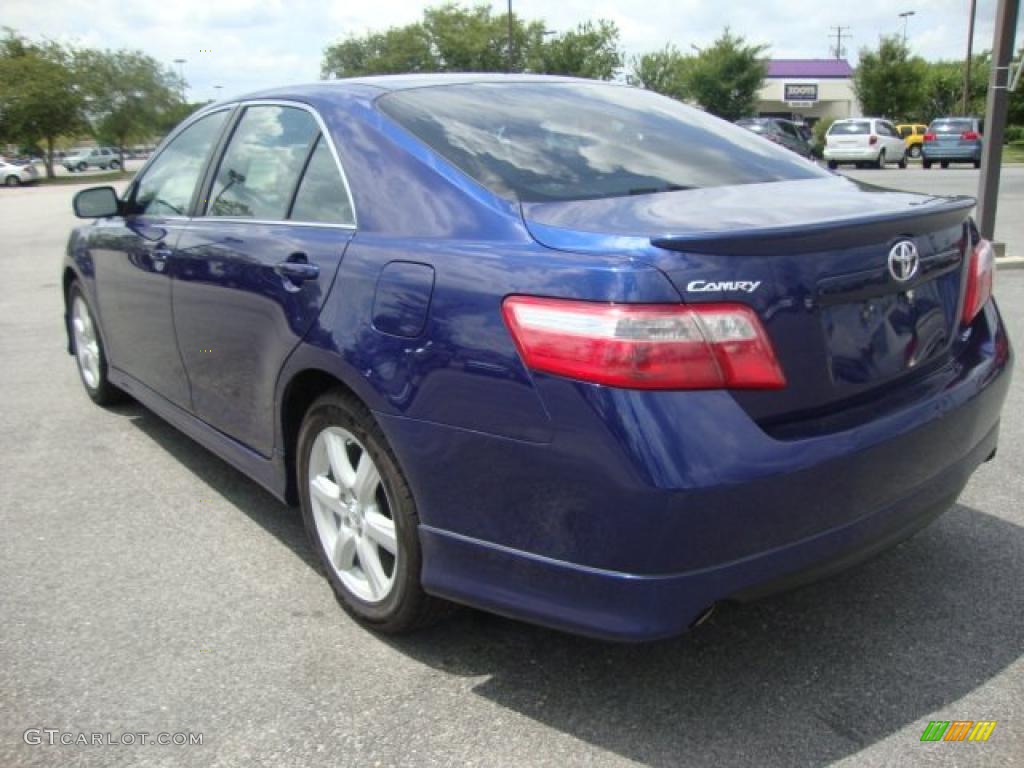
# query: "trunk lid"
812,258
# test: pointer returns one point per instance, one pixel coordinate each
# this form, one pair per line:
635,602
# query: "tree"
127,94
942,88
725,77
453,38
665,72
40,98
590,50
888,81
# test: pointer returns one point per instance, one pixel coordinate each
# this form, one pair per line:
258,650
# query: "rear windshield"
569,141
951,126
850,127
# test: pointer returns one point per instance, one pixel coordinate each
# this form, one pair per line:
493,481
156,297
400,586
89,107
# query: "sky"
245,45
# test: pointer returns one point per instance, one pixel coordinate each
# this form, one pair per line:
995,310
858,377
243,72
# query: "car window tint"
262,163
572,141
850,127
167,186
322,196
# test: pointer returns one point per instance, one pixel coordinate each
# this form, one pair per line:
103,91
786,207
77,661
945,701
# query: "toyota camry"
567,351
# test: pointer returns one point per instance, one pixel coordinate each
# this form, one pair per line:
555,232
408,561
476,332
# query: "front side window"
261,166
167,186
569,141
321,196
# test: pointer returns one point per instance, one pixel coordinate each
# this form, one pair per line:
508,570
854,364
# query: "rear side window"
906,130
262,163
952,126
850,127
167,186
570,141
321,196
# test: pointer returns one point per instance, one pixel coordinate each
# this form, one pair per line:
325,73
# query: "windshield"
539,142
951,126
850,127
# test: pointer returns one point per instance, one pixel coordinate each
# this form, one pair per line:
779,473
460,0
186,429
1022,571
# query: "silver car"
92,157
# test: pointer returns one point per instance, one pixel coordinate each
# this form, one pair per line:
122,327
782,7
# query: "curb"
1010,262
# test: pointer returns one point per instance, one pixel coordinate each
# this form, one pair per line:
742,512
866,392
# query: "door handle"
297,271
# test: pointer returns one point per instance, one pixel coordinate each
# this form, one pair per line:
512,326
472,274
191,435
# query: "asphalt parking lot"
149,587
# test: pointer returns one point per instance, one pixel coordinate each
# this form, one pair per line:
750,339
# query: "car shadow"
804,678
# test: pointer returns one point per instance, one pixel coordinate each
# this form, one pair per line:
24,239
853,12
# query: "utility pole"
509,35
996,104
906,17
967,61
840,32
181,73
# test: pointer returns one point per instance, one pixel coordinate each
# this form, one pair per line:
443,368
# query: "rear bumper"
855,155
932,151
646,508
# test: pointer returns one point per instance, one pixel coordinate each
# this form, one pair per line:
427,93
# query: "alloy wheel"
87,348
353,514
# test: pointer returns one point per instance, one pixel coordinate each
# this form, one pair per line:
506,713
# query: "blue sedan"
567,351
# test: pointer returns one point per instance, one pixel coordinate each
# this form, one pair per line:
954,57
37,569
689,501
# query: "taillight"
969,135
980,272
929,137
872,140
645,346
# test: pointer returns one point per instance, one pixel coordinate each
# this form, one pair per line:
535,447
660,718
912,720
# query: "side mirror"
96,203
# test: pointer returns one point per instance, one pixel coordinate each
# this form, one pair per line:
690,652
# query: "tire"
915,151
832,165
12,181
114,165
82,167
927,164
977,163
903,163
880,162
337,437
944,164
87,346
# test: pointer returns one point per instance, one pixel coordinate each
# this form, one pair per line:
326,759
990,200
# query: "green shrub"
820,129
1014,133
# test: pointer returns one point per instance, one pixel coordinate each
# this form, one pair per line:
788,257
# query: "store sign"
801,92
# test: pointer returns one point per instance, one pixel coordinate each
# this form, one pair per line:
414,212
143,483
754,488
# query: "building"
806,90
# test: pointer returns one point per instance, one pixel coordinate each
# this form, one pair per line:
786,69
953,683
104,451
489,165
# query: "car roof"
378,84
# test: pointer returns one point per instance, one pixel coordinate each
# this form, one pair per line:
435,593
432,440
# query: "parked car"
913,137
864,141
15,173
783,132
953,140
92,157
569,351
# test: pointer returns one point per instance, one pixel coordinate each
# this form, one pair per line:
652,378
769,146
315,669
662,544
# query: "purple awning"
810,68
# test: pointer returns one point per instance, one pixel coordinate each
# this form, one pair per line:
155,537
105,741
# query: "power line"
840,33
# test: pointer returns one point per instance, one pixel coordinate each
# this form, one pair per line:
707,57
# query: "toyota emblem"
903,260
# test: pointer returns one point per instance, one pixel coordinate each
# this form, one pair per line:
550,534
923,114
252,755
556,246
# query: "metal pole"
996,104
181,76
509,35
967,61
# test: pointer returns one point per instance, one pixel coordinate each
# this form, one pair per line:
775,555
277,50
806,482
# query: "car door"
131,253
895,147
251,273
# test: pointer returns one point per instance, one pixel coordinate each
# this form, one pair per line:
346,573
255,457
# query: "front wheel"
361,517
12,181
82,167
87,346
114,165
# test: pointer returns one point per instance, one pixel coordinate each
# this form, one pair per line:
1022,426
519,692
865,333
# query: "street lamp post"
906,17
509,35
181,74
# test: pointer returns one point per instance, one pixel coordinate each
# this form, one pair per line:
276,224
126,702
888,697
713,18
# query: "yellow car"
913,137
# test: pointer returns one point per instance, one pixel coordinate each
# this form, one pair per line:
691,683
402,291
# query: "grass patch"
1014,153
98,178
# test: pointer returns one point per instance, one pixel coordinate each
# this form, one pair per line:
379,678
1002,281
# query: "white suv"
864,140
96,157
